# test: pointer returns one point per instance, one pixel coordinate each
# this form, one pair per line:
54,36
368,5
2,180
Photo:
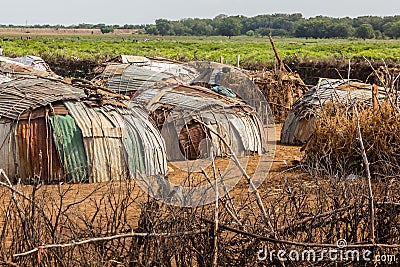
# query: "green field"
251,50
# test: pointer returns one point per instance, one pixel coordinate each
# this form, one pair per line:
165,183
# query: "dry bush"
335,148
309,212
386,77
281,89
70,66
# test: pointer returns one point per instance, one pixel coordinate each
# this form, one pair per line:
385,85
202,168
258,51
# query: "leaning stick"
371,195
235,218
243,171
108,238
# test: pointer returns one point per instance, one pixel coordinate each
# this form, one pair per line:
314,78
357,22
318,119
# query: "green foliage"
392,29
250,33
164,27
253,50
365,31
285,25
229,26
151,29
106,29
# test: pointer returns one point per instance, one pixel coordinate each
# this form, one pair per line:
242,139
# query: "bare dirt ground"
60,31
95,202
285,157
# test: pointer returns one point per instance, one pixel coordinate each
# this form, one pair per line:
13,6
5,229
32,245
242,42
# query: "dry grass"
281,89
335,148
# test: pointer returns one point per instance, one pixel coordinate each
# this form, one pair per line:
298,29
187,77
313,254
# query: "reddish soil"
93,195
61,31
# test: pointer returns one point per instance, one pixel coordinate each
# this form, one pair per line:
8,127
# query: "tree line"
285,25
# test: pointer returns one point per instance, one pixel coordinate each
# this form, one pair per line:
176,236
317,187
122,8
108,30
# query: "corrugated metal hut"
130,74
190,119
183,97
55,131
299,124
231,80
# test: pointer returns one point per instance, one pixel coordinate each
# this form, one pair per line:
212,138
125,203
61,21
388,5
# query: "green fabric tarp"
69,141
224,91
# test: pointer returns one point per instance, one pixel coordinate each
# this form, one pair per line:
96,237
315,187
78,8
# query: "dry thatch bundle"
335,147
281,89
299,124
387,77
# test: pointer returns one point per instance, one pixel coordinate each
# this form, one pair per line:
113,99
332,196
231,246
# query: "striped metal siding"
8,153
69,141
128,78
153,145
102,141
134,78
143,145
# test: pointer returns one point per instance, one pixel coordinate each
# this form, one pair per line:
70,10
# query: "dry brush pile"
335,146
116,224
281,89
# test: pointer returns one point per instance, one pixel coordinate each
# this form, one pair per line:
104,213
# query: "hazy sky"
69,12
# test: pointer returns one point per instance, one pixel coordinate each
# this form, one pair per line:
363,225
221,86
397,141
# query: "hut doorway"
194,141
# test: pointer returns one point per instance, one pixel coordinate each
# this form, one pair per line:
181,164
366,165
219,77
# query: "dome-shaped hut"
191,102
193,119
299,124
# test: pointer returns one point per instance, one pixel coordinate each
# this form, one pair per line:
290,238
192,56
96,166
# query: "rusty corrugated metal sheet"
191,139
37,151
17,96
132,79
102,141
8,149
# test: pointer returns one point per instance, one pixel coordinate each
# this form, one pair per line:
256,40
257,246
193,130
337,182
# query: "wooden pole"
375,104
278,58
238,61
